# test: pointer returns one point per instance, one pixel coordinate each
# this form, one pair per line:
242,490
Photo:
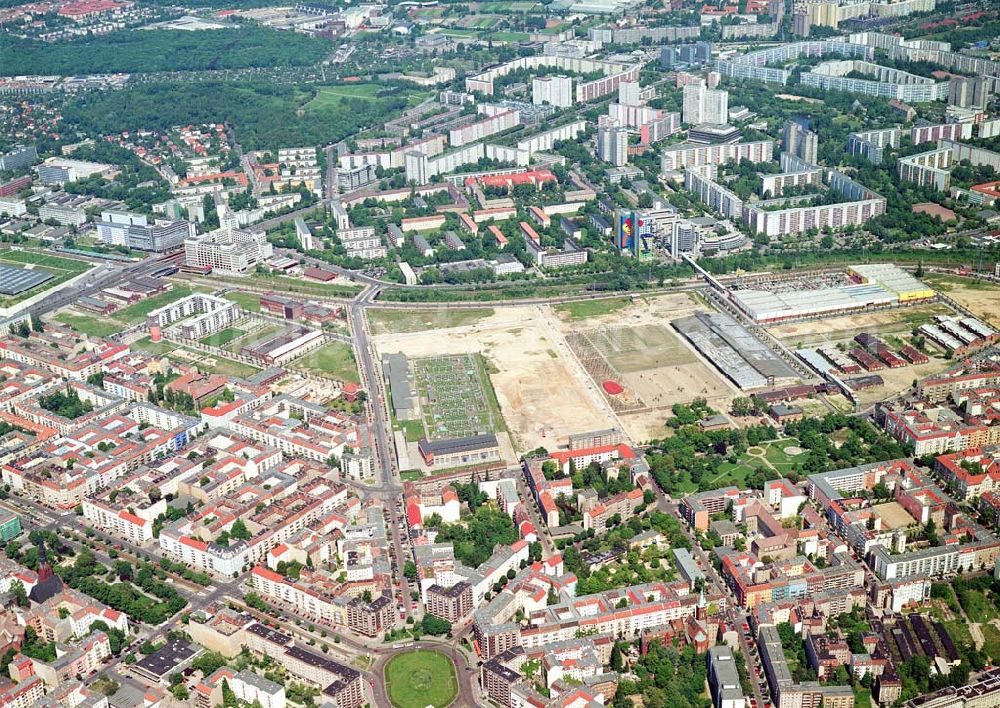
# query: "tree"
36,324
617,663
239,530
20,595
410,570
435,626
930,532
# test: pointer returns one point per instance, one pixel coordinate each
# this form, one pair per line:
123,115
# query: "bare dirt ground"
983,302
898,322
893,515
543,395
655,363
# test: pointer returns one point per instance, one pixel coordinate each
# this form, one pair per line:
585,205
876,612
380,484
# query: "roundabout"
419,678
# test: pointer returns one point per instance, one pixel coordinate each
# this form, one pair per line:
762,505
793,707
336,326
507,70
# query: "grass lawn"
331,96
224,337
206,362
62,269
510,36
977,606
944,283
413,429
248,301
420,678
91,325
591,308
410,475
261,334
782,461
152,348
389,321
137,312
959,632
335,359
227,367
862,697
992,645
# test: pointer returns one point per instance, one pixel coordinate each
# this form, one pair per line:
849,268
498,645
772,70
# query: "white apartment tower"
705,105
628,93
553,90
612,141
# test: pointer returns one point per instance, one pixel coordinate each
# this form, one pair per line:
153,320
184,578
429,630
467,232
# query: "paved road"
468,693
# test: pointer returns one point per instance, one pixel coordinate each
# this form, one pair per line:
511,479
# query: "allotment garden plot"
456,398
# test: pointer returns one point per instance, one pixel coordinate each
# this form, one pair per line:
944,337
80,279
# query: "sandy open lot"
981,300
893,515
543,394
836,329
657,366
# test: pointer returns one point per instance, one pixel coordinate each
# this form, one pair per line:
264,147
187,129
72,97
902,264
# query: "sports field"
893,515
421,678
62,269
456,397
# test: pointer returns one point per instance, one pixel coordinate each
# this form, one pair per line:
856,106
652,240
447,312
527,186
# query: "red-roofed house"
583,457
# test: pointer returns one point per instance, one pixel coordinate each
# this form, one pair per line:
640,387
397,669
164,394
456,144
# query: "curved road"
467,691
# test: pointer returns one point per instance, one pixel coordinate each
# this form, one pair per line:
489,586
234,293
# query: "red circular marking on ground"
612,387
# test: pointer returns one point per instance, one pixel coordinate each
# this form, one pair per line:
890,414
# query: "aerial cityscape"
510,353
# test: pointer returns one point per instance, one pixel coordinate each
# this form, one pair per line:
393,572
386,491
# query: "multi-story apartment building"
971,472
134,231
679,157
885,83
371,618
801,142
228,249
18,157
612,141
552,90
452,603
484,128
202,314
871,144
705,105
942,131
713,194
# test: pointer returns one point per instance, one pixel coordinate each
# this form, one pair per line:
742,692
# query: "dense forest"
144,51
265,115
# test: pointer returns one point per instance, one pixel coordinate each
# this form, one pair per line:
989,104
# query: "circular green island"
421,678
